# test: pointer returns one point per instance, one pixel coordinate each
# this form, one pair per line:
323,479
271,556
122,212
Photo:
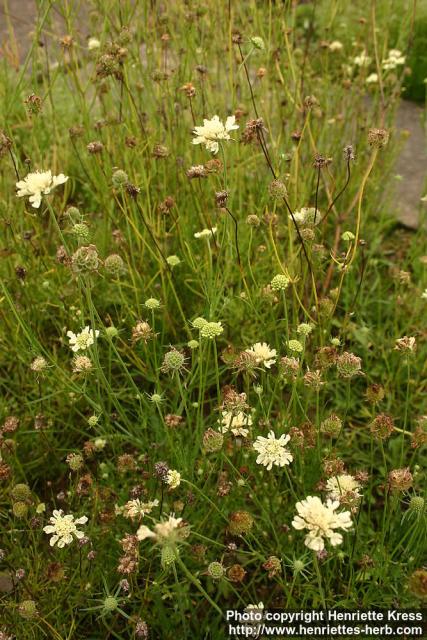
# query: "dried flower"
240,523
406,344
344,488
382,426
348,365
417,583
332,425
273,565
85,259
212,441
378,137
400,479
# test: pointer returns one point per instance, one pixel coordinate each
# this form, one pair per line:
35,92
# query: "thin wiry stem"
338,196
317,194
267,157
236,235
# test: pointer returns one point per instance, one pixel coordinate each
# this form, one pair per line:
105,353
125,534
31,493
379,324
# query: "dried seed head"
27,609
132,190
320,162
333,467
277,189
326,357
378,137
5,144
240,522
313,379
400,479
349,152
82,364
348,365
167,205
236,573
212,441
289,367
161,470
114,265
332,425
375,393
197,171
95,147
406,344
382,426
160,151
273,565
417,583
189,89
85,259
419,437
141,629
20,492
221,198
142,331
10,424
34,104
172,420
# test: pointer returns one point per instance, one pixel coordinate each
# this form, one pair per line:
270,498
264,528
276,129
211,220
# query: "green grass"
359,293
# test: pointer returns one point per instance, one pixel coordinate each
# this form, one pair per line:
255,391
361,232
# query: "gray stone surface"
411,164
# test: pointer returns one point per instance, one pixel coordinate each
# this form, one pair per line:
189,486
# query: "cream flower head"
163,532
342,485
173,478
237,423
64,528
214,130
35,185
272,450
321,521
205,233
263,354
83,340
